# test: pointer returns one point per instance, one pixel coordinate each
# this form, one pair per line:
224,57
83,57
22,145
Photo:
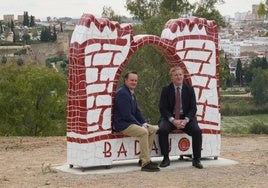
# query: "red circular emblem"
184,144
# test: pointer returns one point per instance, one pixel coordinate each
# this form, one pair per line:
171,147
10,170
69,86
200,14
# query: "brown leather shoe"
153,163
150,168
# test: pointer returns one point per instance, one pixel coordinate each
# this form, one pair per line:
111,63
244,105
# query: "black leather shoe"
197,164
165,162
140,162
153,163
150,168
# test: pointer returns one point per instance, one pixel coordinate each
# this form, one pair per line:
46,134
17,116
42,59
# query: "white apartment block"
239,16
230,47
235,48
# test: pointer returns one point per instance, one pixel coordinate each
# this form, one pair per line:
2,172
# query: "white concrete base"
132,165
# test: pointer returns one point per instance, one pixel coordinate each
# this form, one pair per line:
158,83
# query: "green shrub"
32,101
236,130
20,61
252,124
241,106
258,128
4,59
20,52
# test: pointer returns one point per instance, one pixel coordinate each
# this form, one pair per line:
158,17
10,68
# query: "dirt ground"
27,162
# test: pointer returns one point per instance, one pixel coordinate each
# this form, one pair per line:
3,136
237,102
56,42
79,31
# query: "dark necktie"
178,104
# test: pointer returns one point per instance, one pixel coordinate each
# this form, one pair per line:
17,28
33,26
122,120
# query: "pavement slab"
132,165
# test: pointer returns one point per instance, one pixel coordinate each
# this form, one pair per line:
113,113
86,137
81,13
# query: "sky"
76,8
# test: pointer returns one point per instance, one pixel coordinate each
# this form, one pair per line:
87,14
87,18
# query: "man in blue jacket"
128,120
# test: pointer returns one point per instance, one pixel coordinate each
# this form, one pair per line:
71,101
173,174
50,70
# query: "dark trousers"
191,128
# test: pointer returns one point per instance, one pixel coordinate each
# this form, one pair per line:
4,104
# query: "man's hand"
145,125
179,123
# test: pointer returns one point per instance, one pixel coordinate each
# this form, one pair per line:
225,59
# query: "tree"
32,101
181,7
62,61
32,21
12,26
224,72
238,73
264,63
144,9
263,9
1,27
25,19
4,59
45,34
34,32
20,62
206,9
13,31
48,18
108,12
139,8
26,38
61,29
53,34
154,25
259,86
248,74
256,63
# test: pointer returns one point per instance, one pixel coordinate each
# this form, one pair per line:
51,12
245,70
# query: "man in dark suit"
128,120
177,107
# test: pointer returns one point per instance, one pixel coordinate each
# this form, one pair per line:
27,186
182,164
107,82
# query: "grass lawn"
242,124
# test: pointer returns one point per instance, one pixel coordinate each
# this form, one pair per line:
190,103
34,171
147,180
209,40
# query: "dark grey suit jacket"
167,101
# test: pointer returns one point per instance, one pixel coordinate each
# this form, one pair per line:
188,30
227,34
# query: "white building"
235,47
239,16
230,47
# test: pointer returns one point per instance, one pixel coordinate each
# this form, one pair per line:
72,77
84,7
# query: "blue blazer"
167,101
126,110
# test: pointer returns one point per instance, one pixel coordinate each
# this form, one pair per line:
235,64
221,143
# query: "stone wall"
39,52
42,51
254,48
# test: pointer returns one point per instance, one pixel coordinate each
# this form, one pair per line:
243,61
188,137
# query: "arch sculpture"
99,50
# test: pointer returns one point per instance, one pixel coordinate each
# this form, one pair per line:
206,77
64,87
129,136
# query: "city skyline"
76,8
